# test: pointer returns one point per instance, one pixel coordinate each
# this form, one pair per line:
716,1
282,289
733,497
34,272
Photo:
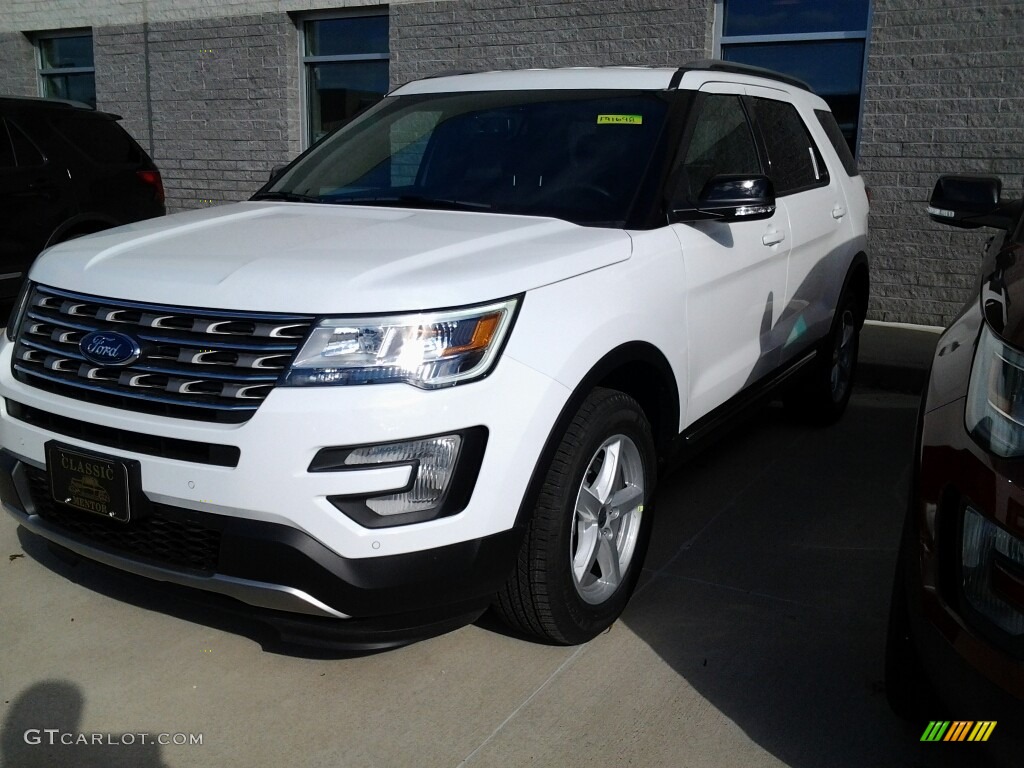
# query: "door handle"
838,211
773,238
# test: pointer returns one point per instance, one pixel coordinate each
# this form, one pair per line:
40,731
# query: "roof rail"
719,65
451,73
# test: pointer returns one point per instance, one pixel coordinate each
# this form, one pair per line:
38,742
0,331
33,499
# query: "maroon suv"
956,636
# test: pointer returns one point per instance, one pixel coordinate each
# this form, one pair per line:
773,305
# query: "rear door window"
26,154
795,162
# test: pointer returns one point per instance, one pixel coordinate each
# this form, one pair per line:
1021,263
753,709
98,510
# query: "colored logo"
958,730
109,348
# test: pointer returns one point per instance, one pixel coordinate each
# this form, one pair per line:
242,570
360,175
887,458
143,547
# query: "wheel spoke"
847,333
608,560
588,506
588,539
604,483
625,500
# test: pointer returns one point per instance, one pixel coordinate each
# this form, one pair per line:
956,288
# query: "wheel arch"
858,283
640,370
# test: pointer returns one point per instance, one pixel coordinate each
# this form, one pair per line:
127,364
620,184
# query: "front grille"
208,365
161,536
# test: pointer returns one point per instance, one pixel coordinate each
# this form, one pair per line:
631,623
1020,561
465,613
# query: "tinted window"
721,143
577,155
6,151
795,162
347,36
833,69
346,64
100,139
25,152
773,17
835,136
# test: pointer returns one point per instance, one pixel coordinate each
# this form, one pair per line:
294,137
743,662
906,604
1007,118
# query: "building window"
346,68
822,43
66,68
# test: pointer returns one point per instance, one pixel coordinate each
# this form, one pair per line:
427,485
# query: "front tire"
585,544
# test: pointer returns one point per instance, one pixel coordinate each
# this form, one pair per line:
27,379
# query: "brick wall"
222,93
944,95
431,37
17,65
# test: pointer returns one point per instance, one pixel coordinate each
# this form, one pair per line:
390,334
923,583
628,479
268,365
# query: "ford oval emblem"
109,348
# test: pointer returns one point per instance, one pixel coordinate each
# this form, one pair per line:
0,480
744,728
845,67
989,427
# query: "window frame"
306,60
42,72
721,39
825,175
694,112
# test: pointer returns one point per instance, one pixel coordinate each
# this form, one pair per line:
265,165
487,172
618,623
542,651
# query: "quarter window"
794,160
346,69
66,67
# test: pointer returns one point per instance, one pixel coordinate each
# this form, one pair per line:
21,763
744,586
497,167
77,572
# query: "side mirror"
969,202
730,198
276,171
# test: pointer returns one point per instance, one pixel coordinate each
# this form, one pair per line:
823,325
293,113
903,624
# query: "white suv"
436,363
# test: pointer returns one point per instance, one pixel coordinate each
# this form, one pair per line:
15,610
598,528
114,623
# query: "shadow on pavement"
772,563
42,729
194,606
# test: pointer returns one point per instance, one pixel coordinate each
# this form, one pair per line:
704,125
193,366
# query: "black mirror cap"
730,198
968,202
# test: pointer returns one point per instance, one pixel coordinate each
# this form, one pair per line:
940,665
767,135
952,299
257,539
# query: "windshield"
574,155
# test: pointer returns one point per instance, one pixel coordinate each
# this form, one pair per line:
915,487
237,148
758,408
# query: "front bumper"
277,568
972,663
234,509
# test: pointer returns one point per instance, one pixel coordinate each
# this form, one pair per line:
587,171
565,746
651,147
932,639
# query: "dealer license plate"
86,481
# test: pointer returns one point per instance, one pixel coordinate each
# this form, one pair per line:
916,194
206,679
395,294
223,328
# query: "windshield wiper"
414,201
288,197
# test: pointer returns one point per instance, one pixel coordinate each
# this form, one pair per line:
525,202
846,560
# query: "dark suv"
65,171
956,631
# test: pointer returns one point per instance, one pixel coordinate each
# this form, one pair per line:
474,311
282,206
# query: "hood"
324,259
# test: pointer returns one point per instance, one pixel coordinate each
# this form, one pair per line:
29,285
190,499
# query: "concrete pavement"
755,639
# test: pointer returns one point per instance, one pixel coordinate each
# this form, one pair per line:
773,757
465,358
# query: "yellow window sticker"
620,119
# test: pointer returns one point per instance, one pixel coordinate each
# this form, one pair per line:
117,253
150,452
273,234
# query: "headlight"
432,349
995,397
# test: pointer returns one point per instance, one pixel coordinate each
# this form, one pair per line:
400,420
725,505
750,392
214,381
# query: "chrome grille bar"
211,365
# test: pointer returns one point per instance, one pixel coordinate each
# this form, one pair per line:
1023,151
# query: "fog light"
990,554
433,460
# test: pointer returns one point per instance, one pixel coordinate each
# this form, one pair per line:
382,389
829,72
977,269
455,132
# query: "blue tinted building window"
346,69
822,42
67,69
789,17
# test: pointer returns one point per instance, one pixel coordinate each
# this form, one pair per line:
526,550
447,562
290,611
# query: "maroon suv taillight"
152,178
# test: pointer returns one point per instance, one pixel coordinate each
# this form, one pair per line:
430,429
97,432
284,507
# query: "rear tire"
585,544
822,397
